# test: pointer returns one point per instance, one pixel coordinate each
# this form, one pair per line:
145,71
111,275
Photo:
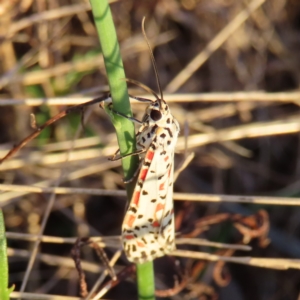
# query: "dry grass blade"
255,96
36,296
223,35
272,263
177,196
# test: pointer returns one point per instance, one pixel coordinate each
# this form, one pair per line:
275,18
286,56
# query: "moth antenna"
153,60
144,87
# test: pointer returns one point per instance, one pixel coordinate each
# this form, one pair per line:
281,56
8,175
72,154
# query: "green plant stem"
124,128
146,284
4,291
118,87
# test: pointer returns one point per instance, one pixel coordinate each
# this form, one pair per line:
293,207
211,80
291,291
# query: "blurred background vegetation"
50,49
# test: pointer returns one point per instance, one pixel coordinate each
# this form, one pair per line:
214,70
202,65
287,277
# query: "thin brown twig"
75,253
49,122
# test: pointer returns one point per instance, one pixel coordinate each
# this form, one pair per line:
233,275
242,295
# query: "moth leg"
126,181
134,120
113,158
152,145
137,152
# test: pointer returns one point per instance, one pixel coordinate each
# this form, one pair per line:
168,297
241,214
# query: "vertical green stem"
4,291
146,284
124,128
118,87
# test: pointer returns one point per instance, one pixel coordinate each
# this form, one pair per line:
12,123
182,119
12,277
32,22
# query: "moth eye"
155,115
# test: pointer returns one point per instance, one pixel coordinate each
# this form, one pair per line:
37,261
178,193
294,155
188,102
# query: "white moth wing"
151,233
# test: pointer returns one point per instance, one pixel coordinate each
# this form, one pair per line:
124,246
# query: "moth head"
158,110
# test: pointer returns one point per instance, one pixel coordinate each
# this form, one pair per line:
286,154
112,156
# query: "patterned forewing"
148,228
138,230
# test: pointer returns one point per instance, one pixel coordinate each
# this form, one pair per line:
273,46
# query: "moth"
148,229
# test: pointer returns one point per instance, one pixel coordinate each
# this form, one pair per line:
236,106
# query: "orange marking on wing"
159,207
166,158
129,237
136,198
169,173
162,186
150,155
140,244
155,224
143,173
129,220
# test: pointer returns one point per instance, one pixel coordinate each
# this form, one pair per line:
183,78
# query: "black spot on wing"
140,183
154,129
169,131
147,163
133,209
